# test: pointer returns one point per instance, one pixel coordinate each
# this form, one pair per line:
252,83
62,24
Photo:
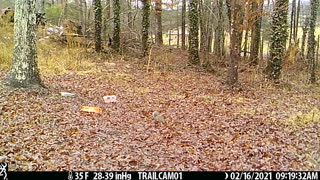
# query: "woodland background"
200,85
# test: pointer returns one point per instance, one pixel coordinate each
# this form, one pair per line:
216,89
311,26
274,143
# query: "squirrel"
158,117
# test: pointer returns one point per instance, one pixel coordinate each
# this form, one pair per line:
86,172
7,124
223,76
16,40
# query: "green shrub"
53,14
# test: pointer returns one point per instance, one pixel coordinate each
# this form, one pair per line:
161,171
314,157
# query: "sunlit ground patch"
305,117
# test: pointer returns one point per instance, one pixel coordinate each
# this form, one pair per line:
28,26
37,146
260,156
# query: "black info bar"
160,175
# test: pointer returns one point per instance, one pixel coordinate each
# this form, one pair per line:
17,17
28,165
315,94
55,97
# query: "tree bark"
81,16
245,48
292,21
107,15
203,22
97,24
116,25
194,58
210,28
278,39
228,6
261,48
158,15
130,18
236,16
297,22
312,41
183,25
145,27
24,70
257,8
85,20
218,35
178,27
65,10
305,30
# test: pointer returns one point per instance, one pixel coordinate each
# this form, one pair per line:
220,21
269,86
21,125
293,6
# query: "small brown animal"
158,117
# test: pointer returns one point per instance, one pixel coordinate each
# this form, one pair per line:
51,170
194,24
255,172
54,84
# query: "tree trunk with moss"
312,41
158,14
194,58
24,70
97,24
145,26
278,39
116,25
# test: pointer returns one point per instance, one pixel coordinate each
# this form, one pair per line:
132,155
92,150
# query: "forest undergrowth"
205,124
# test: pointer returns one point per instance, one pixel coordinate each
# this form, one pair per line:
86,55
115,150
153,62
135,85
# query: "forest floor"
208,126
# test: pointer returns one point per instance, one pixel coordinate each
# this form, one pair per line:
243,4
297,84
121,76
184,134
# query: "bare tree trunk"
297,22
236,14
245,48
210,29
65,10
85,17
305,30
97,24
178,30
81,16
24,70
292,21
219,34
240,30
145,27
130,18
202,24
107,15
178,38
317,52
228,5
169,37
257,8
261,48
158,15
183,25
116,25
